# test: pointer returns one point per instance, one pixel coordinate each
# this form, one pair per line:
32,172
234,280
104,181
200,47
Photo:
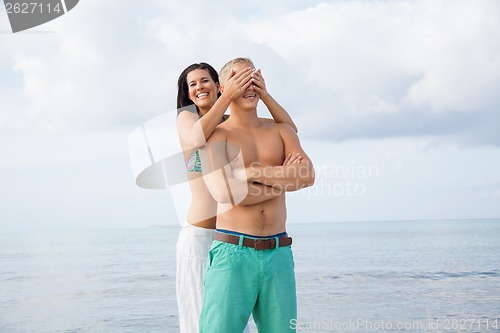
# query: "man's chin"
250,103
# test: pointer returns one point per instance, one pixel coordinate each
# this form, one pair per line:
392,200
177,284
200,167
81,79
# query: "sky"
396,102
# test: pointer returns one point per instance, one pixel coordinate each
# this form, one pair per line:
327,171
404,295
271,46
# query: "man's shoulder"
281,128
272,124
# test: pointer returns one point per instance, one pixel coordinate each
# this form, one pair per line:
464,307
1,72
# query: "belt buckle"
258,244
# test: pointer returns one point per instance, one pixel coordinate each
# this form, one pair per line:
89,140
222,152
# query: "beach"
406,276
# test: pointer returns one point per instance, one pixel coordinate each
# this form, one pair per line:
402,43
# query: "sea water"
401,276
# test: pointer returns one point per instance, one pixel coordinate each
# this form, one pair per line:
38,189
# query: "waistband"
236,233
254,243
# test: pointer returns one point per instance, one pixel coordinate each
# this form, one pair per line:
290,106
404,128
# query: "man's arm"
290,177
219,177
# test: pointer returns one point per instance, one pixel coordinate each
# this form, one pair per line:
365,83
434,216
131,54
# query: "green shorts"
240,281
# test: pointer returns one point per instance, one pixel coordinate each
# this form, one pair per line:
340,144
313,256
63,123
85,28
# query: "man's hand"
295,159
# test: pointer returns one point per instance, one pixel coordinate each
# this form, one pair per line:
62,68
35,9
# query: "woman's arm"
195,131
277,111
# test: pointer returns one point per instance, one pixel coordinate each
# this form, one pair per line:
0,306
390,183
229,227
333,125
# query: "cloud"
112,66
370,79
417,65
344,70
93,73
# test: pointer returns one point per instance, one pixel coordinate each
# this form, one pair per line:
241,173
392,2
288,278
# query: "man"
250,264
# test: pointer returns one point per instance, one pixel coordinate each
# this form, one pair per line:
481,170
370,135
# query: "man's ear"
221,89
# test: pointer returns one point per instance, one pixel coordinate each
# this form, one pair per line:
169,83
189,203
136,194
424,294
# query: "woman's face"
202,89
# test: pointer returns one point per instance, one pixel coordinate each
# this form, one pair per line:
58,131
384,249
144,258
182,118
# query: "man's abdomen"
267,218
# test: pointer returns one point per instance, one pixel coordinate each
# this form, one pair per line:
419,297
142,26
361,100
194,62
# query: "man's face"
250,98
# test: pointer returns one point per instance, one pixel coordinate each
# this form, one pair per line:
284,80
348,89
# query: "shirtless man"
250,264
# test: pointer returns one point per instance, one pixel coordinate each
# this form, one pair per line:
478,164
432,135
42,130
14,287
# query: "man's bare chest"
258,148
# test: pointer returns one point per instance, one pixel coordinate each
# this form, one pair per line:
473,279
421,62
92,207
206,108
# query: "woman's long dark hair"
182,85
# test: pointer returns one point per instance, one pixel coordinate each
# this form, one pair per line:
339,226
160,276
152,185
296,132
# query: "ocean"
398,276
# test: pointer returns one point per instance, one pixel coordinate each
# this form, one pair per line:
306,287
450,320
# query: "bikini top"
193,164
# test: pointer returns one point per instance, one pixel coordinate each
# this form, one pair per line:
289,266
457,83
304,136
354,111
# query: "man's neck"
244,118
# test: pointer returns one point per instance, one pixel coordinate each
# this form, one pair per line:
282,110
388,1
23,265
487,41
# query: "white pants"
192,252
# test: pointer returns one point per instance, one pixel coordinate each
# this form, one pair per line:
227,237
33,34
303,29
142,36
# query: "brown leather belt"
255,243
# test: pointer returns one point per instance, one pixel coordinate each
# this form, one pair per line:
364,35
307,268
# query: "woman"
200,109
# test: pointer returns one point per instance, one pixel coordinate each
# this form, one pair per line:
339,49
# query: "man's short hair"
226,69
